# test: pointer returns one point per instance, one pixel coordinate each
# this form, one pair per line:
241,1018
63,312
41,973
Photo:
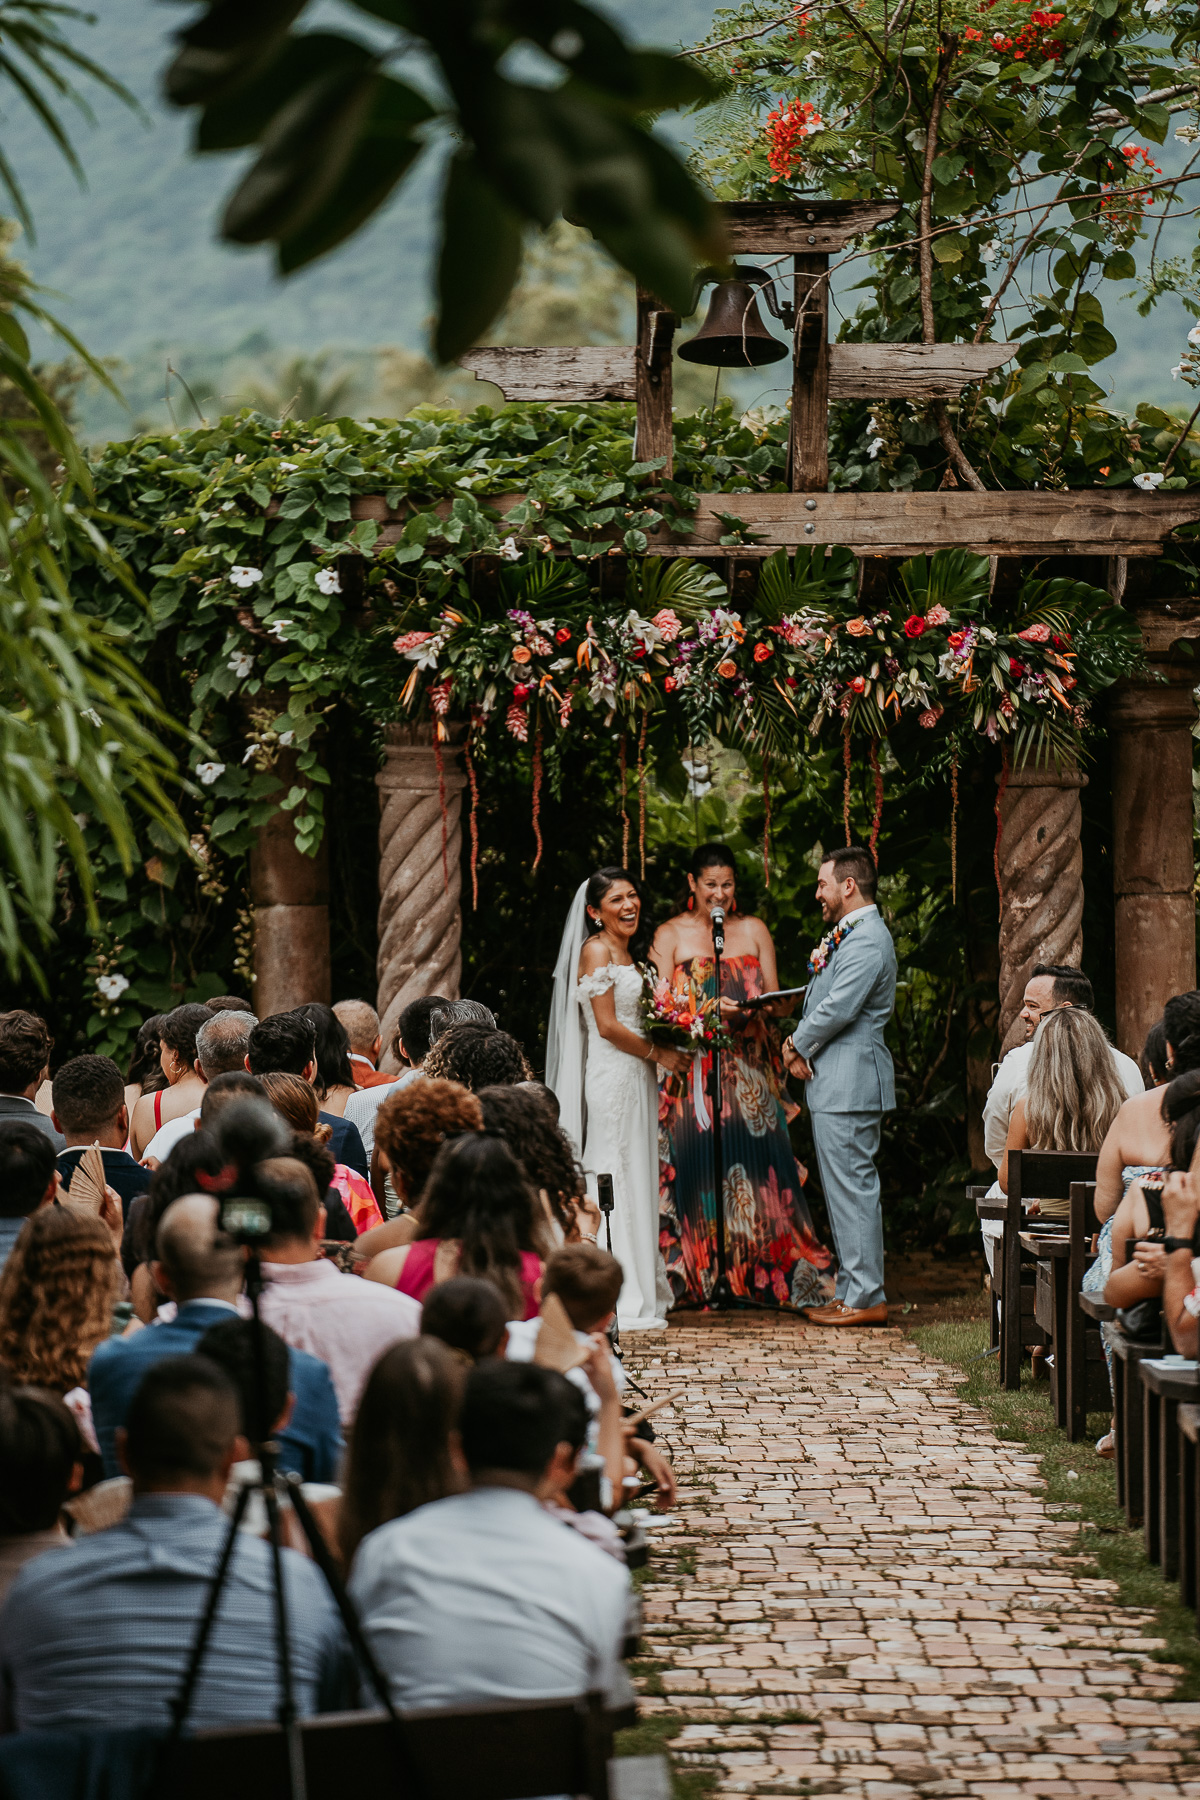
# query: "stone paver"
864,1593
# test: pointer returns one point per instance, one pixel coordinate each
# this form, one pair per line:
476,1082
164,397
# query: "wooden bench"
1129,1410
1166,1383
1188,1421
1077,1370
1032,1175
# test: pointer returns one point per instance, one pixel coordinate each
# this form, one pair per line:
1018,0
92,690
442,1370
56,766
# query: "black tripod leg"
287,1699
182,1704
337,1587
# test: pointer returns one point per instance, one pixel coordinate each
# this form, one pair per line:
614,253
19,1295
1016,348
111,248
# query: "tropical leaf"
685,586
955,579
810,578
534,585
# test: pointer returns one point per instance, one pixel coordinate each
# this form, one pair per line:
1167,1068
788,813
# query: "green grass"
1077,1479
650,1737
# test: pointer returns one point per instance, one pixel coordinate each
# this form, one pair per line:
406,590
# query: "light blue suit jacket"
846,1011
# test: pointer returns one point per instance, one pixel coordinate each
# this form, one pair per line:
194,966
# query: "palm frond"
809,579
955,579
687,587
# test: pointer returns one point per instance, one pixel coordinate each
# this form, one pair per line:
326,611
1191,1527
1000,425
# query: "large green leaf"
305,151
480,256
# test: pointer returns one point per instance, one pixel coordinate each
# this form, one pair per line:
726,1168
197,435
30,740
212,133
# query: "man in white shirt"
345,1321
485,1596
221,1046
410,1048
1050,986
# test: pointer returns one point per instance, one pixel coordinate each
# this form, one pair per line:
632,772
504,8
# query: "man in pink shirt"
346,1321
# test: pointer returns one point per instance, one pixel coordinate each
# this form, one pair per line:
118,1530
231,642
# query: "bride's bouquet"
676,1018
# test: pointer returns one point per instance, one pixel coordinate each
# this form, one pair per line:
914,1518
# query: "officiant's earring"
692,903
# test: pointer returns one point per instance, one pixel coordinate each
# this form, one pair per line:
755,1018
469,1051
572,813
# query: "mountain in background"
143,280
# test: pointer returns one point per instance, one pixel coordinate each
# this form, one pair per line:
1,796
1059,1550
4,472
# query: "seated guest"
28,1177
478,1217
334,1079
468,1315
89,1108
25,1047
144,1074
410,1047
286,1043
57,1293
199,1268
517,1114
185,1088
403,1450
99,1636
228,1003
345,1321
1153,1060
1139,1139
41,1464
359,1020
411,1128
1138,1275
295,1101
221,1044
459,1012
1072,1093
1051,987
478,1058
484,1596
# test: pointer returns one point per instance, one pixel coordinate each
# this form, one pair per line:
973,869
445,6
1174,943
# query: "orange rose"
857,627
727,668
522,654
762,651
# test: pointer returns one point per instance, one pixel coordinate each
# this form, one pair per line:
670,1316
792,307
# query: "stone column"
1041,880
420,916
289,898
1151,725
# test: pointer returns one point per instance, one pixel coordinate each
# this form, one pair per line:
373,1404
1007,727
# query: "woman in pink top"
479,1217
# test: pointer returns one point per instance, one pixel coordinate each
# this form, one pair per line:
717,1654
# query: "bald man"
361,1024
201,1270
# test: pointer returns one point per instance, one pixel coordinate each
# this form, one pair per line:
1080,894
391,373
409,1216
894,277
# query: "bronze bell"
733,335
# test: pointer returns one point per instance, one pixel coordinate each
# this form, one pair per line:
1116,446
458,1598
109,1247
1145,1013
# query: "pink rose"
937,615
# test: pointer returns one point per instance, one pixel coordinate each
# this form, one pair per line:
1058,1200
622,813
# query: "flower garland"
819,959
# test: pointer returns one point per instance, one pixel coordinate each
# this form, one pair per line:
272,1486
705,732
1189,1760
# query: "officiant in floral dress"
772,1252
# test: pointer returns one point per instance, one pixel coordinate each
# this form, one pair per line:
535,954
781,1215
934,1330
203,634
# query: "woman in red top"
479,1217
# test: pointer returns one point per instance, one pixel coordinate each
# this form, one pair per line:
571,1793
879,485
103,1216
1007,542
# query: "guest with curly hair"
57,1293
477,1057
519,1116
411,1127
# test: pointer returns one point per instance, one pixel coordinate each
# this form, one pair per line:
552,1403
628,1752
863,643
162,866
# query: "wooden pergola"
1103,535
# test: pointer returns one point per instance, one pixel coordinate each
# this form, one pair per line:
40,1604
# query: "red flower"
914,625
956,639
727,668
762,651
563,635
859,684
790,681
637,651
670,684
522,690
1016,669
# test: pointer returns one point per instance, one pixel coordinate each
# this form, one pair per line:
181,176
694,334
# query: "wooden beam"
808,436
911,371
558,373
655,335
798,227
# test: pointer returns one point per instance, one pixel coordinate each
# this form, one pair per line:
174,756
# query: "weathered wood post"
1041,879
420,878
289,899
1153,870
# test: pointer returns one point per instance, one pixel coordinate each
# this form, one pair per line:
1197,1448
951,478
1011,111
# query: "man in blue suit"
202,1272
838,1049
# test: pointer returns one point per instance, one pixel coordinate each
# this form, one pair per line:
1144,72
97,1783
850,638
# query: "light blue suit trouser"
847,1144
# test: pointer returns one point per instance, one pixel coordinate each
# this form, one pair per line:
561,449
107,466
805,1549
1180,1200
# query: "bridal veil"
566,1042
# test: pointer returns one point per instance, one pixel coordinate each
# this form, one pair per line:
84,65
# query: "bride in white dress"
602,1071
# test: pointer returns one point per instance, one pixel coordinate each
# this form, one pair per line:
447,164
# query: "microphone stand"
722,1296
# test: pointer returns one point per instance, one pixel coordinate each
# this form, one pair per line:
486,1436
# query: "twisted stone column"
1151,724
420,918
289,898
1041,880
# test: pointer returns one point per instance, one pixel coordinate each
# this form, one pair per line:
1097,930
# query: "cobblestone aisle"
853,1544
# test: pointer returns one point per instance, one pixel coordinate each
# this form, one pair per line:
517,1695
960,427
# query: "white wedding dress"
609,1109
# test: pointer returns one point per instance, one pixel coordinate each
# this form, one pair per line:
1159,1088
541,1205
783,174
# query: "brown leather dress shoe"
838,1314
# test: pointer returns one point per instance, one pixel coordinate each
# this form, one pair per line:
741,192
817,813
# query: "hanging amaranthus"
1000,791
537,791
473,784
624,814
846,781
641,786
766,774
877,817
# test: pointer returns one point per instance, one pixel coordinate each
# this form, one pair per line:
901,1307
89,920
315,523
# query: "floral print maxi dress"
771,1250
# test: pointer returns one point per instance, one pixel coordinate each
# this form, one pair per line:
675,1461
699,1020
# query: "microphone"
718,928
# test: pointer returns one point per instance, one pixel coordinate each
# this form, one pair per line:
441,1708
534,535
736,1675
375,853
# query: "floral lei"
828,944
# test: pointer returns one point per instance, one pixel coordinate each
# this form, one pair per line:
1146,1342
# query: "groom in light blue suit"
839,1050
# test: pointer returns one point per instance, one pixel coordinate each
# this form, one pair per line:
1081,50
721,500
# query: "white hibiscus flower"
328,581
243,576
208,772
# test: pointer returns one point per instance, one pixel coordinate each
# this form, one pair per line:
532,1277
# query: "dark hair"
144,1069
232,1346
228,1003
1181,1022
467,1314
523,1120
512,1416
27,1166
707,856
178,1030
854,862
332,1048
477,1058
1181,1111
411,1126
25,1046
234,1084
222,1042
459,1012
399,1452
1071,985
477,1192
87,1093
40,1445
286,1041
547,1096
587,1280
183,1418
292,1191
598,885
412,1028
1153,1060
